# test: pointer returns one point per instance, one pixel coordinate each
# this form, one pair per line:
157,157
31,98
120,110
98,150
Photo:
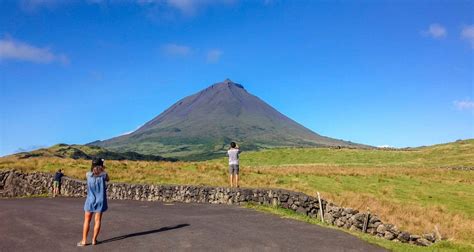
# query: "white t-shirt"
233,156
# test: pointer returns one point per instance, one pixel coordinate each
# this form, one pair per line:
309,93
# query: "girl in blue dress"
96,201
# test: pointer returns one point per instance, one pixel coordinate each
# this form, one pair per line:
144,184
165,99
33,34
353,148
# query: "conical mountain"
203,124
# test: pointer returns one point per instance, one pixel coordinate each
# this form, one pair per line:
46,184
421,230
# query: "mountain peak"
228,83
204,123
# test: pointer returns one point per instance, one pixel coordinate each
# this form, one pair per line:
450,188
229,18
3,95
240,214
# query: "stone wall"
17,184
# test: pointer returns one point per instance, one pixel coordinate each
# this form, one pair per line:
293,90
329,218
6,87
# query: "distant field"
415,189
459,154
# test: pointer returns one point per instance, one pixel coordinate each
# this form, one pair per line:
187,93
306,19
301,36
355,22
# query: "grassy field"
415,189
445,246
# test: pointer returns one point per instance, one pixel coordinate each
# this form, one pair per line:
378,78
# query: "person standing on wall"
233,154
96,201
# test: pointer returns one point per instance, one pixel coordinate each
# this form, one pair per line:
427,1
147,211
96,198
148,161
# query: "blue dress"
96,200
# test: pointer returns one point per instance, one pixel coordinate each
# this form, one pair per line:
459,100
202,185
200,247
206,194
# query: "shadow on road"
144,233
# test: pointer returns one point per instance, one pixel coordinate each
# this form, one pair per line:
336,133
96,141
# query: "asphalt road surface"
55,224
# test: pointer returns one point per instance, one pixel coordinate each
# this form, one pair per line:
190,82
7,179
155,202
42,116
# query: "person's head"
232,144
60,170
97,166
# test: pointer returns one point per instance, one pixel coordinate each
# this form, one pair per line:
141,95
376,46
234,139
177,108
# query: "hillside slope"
202,125
87,152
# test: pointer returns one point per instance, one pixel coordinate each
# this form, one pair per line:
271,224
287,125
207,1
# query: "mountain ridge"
76,151
205,122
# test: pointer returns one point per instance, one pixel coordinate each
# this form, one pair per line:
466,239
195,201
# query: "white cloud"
214,55
187,7
268,2
33,5
176,50
466,104
436,31
161,8
467,33
190,7
16,50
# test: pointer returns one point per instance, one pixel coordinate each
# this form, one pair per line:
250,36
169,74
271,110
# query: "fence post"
366,221
320,208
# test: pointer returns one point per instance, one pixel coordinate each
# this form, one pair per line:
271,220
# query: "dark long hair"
97,166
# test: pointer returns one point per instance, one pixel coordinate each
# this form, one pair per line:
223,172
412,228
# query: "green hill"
87,152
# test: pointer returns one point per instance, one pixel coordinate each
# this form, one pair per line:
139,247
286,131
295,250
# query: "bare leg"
85,229
98,219
237,180
231,180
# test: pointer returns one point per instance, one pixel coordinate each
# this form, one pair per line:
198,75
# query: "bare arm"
107,177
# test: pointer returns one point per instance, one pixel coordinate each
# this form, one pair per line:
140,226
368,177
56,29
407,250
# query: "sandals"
80,244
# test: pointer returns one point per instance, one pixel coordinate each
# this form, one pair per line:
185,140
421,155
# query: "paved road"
45,224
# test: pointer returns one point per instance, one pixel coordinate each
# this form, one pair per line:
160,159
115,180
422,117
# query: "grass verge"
390,245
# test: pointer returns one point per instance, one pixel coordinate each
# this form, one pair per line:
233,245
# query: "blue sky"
396,73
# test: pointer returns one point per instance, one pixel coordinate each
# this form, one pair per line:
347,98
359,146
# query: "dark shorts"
56,183
234,169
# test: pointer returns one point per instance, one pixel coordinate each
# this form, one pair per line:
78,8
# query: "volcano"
202,125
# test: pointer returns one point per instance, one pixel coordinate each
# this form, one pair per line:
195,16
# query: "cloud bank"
20,51
186,7
176,50
436,31
214,55
467,33
464,105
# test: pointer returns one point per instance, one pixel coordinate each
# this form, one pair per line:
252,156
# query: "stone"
354,228
328,218
381,229
404,237
374,219
350,211
374,225
339,223
423,242
372,231
389,235
394,230
414,237
429,237
301,210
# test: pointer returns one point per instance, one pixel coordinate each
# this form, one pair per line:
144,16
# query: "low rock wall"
18,184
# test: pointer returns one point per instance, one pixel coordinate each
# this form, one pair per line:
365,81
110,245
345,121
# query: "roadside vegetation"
415,189
445,246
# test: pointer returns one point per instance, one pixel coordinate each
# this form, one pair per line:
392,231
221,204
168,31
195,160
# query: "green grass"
458,154
390,245
415,189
